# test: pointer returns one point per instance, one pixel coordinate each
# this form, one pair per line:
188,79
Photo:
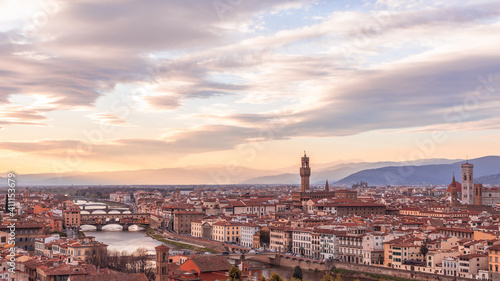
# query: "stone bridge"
125,220
107,209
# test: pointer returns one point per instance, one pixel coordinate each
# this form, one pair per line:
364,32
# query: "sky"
108,85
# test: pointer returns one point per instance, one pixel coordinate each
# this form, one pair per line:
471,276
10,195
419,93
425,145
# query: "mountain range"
428,172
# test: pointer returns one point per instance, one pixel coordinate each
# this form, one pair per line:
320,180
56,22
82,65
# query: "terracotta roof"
211,263
114,276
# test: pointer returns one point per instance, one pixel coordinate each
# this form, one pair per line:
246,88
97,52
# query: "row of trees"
235,275
137,262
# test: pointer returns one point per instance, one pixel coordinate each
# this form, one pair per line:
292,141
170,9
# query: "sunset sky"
108,85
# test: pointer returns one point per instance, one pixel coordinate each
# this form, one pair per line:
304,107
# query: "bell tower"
305,173
468,183
161,263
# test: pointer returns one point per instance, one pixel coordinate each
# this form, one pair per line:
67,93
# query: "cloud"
197,140
109,118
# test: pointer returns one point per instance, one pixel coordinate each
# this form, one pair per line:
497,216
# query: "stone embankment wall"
397,272
287,261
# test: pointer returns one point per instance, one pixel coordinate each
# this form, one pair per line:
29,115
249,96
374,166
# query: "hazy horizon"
108,85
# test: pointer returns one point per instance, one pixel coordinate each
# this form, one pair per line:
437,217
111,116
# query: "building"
373,248
305,173
467,183
256,240
494,262
450,266
491,196
248,230
454,192
302,242
207,267
40,242
305,194
280,239
351,245
196,228
351,208
183,220
478,194
72,216
226,232
26,233
470,264
162,266
328,243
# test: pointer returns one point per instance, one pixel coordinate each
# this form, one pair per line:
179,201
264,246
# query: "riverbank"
151,233
366,276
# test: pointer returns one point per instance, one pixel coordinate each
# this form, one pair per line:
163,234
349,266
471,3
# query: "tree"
275,277
338,278
262,278
235,274
264,237
297,273
423,251
328,277
141,259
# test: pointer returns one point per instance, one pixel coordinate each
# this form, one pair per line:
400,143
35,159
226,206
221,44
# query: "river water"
115,237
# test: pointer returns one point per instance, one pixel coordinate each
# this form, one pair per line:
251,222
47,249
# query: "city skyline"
109,86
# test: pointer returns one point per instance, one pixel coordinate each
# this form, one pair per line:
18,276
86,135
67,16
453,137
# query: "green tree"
328,277
275,277
235,274
338,278
297,273
262,278
264,237
423,251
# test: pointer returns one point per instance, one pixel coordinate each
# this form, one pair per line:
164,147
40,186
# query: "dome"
459,186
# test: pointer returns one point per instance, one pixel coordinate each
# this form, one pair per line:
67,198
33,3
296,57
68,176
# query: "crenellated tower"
305,173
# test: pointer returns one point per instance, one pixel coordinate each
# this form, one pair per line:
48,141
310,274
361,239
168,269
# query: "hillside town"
439,231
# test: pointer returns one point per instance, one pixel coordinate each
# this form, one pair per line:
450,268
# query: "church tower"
468,183
327,187
161,263
305,173
454,193
478,194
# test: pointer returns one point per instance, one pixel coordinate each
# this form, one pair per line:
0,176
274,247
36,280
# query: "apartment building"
373,248
247,232
351,245
469,265
280,239
229,232
302,242
183,220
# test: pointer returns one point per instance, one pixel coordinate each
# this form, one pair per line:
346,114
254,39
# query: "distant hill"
333,172
440,174
491,179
